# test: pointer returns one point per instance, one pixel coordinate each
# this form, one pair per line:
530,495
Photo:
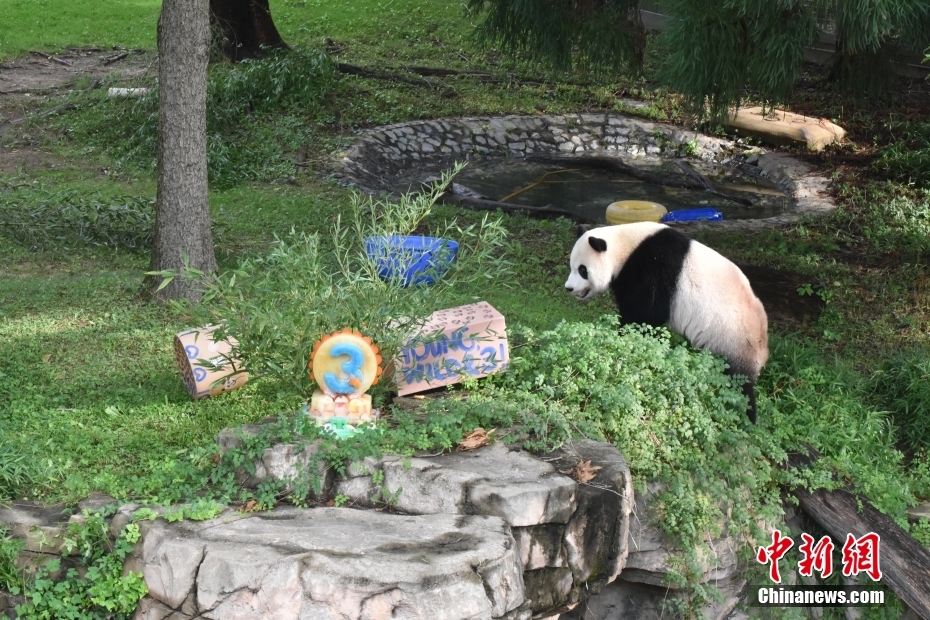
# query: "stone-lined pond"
587,191
581,163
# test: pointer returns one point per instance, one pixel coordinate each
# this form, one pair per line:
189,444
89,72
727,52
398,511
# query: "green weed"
41,219
102,590
17,469
907,159
887,217
11,576
902,386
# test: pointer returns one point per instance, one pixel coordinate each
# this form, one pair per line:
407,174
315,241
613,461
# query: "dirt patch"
39,72
27,84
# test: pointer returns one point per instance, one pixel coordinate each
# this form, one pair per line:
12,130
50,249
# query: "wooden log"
610,164
708,186
483,77
112,59
441,72
492,205
380,75
904,562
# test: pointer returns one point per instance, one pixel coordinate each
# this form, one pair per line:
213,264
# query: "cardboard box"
468,341
198,344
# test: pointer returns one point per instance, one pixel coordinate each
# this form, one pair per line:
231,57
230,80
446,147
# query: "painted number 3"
352,369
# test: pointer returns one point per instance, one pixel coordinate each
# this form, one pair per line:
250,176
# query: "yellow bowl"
629,211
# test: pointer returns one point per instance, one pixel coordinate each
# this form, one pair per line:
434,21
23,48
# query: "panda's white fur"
708,299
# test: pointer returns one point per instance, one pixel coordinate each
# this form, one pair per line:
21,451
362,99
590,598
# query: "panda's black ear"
598,245
581,229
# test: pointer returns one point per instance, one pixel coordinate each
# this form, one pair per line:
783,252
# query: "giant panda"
658,276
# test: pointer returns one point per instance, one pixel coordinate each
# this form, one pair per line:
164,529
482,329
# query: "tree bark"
246,27
182,221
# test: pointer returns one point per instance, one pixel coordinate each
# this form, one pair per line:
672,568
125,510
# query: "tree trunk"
182,220
246,28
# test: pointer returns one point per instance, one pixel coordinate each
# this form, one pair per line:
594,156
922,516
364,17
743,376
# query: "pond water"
587,191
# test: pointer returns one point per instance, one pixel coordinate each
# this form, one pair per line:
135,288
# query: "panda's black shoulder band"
598,245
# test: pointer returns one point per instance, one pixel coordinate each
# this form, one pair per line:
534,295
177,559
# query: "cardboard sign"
467,341
198,344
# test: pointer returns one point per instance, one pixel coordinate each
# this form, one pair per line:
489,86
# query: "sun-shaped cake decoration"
345,363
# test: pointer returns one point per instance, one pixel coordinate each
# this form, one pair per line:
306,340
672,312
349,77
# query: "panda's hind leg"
749,390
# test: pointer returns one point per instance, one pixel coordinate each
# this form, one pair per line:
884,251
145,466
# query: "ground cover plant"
90,398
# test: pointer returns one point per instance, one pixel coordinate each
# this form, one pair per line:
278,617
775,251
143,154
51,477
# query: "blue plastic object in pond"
706,214
411,259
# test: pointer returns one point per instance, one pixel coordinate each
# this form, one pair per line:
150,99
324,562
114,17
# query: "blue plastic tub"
411,260
703,214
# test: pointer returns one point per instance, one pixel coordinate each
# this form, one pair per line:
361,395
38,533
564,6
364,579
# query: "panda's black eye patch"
583,271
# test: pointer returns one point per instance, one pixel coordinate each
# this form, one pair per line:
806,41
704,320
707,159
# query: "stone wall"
470,536
380,154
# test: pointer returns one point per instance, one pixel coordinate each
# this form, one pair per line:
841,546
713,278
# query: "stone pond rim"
380,154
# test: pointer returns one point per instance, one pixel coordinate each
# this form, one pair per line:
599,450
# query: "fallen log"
482,204
904,562
483,77
610,164
706,183
380,75
441,72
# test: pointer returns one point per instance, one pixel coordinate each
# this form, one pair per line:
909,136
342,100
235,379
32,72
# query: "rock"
539,546
515,486
331,564
916,513
650,552
287,462
548,588
780,127
597,538
232,438
580,529
42,528
95,502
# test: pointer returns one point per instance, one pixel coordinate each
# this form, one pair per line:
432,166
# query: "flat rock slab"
779,127
515,486
331,564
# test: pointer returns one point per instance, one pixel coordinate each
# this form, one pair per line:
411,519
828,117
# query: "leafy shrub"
902,386
907,159
669,409
239,146
919,475
43,220
277,306
283,78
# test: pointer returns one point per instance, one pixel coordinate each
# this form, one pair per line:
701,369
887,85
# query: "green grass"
87,379
53,25
88,376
